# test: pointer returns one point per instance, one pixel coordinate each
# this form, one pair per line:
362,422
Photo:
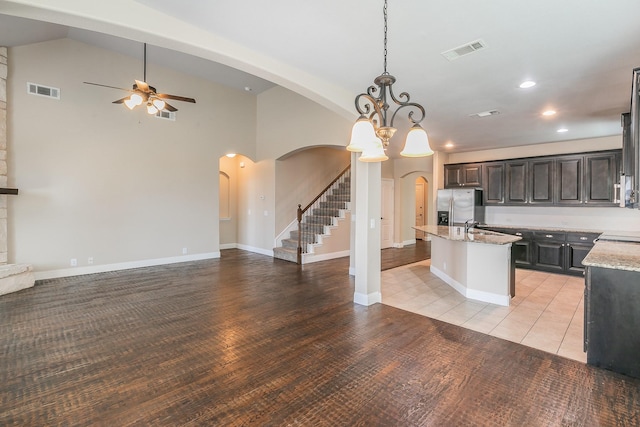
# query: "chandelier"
374,128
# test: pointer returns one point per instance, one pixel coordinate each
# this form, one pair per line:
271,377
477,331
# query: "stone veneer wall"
3,152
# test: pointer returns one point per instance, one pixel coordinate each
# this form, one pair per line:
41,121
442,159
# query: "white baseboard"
370,299
261,251
228,246
352,271
310,258
489,297
79,271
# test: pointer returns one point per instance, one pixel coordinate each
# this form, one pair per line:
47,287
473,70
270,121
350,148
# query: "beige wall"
301,176
229,225
97,180
288,122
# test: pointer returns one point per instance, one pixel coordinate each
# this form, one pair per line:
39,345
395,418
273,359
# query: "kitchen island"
478,264
612,303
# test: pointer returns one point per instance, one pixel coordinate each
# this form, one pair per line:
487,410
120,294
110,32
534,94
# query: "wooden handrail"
302,211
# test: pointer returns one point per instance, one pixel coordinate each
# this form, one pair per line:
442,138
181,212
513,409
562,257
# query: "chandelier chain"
385,37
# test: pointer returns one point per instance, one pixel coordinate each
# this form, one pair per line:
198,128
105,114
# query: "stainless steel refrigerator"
458,205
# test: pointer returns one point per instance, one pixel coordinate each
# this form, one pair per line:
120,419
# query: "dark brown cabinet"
569,180
601,173
541,178
549,253
463,175
516,182
546,250
586,179
493,190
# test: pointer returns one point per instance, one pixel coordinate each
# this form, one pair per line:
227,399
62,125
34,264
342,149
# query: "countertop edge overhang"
614,255
473,236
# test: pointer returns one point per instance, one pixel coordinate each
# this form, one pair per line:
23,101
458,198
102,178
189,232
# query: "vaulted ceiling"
580,53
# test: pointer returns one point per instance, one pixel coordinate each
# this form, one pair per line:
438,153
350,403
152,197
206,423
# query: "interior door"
386,220
420,211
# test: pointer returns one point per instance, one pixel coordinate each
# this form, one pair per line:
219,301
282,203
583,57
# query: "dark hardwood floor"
396,257
247,340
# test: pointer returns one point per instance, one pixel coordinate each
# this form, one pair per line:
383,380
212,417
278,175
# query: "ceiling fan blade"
120,101
177,98
143,86
170,107
111,87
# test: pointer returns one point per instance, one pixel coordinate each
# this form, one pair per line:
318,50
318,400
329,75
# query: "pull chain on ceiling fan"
143,93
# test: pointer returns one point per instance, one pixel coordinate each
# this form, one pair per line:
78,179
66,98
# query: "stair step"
290,244
326,212
318,219
338,198
333,205
285,254
307,237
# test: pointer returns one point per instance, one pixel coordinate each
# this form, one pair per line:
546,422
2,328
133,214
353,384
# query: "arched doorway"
422,200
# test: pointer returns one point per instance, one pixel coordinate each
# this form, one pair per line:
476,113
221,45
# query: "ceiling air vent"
466,49
167,115
485,113
40,90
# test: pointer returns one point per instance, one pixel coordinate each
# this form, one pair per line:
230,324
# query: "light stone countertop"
474,235
540,228
615,255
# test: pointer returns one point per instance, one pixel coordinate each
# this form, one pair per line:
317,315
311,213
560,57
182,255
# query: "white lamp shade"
373,153
136,99
362,135
131,104
417,144
159,104
151,109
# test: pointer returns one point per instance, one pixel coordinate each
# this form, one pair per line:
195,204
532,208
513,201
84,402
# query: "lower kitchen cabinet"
549,253
552,251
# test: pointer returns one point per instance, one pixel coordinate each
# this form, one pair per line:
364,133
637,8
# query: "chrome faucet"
468,226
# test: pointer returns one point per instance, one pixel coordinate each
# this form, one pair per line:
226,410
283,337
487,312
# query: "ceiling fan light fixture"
159,104
151,109
130,104
136,99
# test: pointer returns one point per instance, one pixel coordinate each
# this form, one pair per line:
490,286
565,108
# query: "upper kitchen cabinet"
569,180
516,182
463,175
541,179
493,178
602,174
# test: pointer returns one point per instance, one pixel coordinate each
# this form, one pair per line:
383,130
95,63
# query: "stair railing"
316,201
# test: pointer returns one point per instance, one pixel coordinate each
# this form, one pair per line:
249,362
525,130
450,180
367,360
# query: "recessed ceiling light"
527,84
248,89
549,113
449,145
562,130
231,155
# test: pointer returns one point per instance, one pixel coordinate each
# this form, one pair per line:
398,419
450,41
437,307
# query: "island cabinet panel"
541,173
569,180
463,175
493,190
601,176
523,249
516,182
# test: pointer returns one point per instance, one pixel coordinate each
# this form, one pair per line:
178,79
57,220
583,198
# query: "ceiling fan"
143,93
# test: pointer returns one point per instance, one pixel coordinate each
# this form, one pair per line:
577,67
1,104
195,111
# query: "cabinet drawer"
552,236
526,235
586,238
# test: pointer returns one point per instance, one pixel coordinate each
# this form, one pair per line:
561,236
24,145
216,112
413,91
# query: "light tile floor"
547,312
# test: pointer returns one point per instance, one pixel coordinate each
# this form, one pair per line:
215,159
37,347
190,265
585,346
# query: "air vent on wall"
466,49
40,90
485,113
167,115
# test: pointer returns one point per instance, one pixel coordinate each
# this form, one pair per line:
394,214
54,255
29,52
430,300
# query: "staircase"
317,219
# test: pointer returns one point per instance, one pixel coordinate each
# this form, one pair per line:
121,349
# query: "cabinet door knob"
583,238
518,234
549,235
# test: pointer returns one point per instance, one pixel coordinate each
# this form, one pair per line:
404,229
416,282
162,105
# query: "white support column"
367,233
354,209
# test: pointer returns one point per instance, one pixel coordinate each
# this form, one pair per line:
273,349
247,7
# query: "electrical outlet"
445,266
184,251
74,262
90,260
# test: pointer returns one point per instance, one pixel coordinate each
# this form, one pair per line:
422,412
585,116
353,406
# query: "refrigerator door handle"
451,211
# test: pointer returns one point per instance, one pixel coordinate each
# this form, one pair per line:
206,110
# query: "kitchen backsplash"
597,219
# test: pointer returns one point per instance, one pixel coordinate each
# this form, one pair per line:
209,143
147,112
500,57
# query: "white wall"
97,180
229,225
